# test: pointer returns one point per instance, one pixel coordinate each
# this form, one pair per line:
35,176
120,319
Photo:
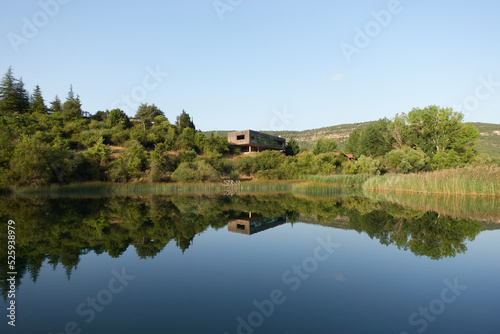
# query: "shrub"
131,165
324,145
161,163
407,160
365,165
198,171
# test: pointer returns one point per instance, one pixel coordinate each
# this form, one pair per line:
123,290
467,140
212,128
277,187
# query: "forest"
58,143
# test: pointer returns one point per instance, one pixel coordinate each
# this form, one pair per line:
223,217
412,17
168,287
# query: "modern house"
254,141
249,223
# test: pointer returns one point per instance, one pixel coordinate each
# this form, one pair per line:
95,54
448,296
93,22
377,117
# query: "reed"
476,181
475,208
338,180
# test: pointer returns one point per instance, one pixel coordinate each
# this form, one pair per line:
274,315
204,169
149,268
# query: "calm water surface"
248,264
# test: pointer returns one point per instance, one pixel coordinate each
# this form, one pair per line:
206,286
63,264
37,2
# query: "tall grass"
338,180
118,189
478,181
484,208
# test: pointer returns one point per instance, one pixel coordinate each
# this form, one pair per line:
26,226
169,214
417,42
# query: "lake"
243,263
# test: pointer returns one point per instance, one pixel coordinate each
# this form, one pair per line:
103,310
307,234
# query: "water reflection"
250,223
61,230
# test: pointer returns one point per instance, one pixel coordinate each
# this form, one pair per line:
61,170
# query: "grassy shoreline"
470,181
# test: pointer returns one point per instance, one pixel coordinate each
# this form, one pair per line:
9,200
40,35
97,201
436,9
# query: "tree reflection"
59,231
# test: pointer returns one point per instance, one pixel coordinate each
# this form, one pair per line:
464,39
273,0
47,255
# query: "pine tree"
56,106
37,104
184,121
72,107
13,96
292,147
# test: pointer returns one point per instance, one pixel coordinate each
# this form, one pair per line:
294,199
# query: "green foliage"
117,116
72,107
187,156
56,105
372,141
446,159
161,164
130,166
365,165
324,145
184,121
292,147
13,97
37,104
198,171
478,180
186,140
147,113
406,160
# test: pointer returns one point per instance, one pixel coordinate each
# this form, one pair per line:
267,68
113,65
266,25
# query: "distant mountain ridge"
489,142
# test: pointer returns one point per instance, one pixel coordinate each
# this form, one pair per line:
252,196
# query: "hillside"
489,142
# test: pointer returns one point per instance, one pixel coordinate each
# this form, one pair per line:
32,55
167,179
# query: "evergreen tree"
147,113
56,106
37,104
13,96
184,121
72,107
292,147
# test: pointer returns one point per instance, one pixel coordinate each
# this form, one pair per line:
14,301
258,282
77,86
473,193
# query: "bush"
131,165
199,171
244,165
407,160
161,163
365,165
324,145
446,159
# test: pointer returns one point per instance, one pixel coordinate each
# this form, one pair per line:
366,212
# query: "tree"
184,121
37,104
437,130
56,106
324,145
147,113
406,160
72,107
375,140
352,144
13,96
131,165
292,147
117,116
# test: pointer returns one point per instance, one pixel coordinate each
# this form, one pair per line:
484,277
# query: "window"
240,137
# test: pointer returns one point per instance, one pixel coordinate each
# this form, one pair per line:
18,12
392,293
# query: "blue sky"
260,64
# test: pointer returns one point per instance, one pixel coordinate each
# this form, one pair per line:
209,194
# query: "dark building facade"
254,141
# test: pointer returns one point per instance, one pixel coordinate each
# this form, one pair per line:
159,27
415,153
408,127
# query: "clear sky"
260,64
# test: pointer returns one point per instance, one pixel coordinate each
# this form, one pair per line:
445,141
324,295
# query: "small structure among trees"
253,141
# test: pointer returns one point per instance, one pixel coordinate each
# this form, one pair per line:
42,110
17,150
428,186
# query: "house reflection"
249,223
